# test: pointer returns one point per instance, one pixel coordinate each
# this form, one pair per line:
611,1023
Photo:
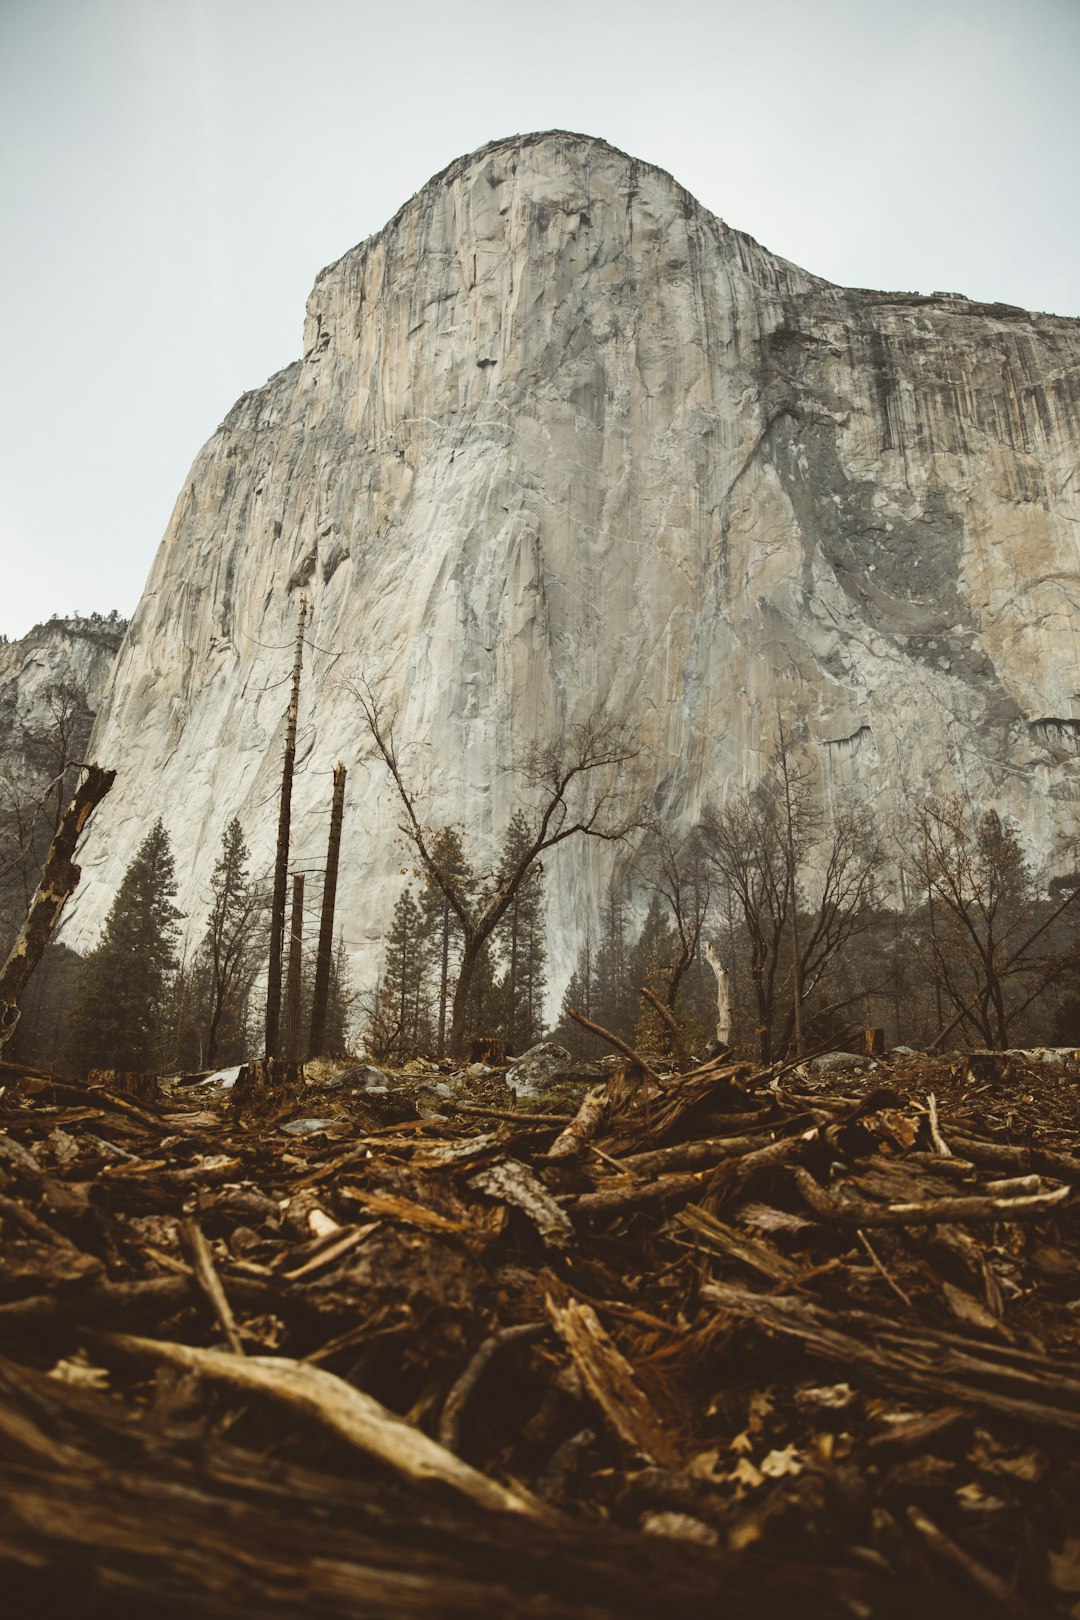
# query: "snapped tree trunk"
723,997
321,995
281,863
59,880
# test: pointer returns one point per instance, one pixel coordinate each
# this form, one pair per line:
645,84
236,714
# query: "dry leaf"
707,1465
1064,1570
745,1534
680,1527
77,1369
744,1473
779,1463
1027,1465
967,1308
761,1408
974,1497
829,1397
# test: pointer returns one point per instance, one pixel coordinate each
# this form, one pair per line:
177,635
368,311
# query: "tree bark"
292,988
281,865
469,959
321,994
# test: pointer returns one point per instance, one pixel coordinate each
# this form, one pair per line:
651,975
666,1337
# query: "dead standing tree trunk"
281,865
321,994
723,997
58,881
292,986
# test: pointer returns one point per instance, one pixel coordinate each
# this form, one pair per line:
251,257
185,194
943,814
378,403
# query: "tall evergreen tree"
614,1002
339,1002
232,947
650,965
408,961
120,1020
443,923
578,997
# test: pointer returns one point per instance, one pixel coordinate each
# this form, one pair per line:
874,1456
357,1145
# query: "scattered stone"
361,1077
309,1127
837,1063
541,1066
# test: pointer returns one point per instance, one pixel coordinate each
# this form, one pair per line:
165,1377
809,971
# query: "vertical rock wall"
560,437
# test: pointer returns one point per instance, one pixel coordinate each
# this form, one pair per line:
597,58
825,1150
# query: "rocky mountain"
559,436
51,685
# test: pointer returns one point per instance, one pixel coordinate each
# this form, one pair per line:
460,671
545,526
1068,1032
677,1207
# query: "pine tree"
408,960
614,1003
577,997
120,1020
650,965
339,1002
232,947
442,923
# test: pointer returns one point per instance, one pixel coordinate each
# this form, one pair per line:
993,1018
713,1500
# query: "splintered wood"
689,1343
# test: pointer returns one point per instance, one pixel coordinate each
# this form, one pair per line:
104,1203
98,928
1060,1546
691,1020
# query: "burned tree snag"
281,864
723,997
321,994
292,987
58,881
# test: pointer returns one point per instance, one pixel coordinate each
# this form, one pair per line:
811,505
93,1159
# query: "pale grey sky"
176,172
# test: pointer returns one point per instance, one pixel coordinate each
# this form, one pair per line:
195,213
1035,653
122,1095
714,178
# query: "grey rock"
538,1068
51,686
837,1063
559,436
363,1077
221,1079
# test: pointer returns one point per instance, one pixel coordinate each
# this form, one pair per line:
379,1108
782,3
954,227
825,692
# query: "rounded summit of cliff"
543,152
527,192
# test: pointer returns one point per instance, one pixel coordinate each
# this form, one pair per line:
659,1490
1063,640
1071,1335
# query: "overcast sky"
176,172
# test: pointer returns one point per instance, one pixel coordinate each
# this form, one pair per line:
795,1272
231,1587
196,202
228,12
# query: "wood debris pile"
716,1342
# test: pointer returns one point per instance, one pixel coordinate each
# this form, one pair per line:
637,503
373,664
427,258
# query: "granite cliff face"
559,434
51,683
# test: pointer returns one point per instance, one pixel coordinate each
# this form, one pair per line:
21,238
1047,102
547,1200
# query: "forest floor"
641,1343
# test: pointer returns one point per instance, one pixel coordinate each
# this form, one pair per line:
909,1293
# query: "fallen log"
583,1127
847,1209
609,1378
919,1360
320,1397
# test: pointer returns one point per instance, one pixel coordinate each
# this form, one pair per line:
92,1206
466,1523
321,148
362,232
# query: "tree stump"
266,1087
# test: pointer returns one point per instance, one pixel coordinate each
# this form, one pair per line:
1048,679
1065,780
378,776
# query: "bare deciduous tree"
677,871
984,923
574,791
773,852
